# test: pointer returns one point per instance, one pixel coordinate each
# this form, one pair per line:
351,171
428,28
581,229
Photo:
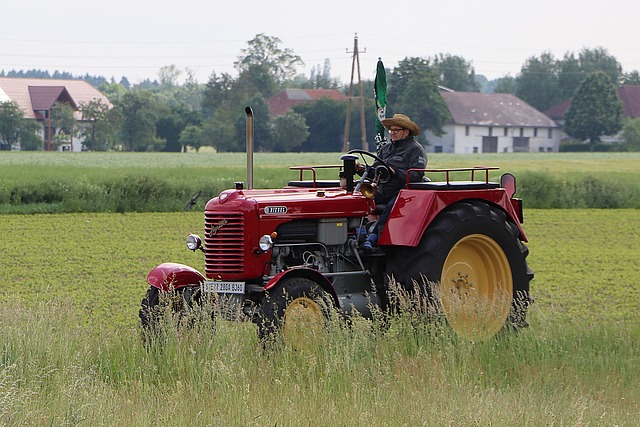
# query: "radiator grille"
224,243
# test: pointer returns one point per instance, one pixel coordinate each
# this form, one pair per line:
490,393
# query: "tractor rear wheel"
297,308
475,263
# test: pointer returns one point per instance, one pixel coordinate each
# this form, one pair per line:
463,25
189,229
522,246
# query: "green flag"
380,95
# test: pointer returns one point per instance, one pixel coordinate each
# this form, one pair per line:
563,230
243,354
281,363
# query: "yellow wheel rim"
303,323
476,287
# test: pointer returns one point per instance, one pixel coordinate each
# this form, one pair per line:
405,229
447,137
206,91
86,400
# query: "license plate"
223,287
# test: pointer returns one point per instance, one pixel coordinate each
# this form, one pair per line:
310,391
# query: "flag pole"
380,95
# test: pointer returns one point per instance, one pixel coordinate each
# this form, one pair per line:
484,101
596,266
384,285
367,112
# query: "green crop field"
152,182
71,353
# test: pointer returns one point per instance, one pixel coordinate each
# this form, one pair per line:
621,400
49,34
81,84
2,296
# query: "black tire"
157,304
471,252
295,311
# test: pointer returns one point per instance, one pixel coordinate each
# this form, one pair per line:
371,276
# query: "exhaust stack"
249,141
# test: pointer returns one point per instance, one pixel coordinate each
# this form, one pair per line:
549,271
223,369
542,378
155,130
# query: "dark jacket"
401,156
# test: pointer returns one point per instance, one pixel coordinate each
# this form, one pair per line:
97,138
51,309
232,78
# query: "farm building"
629,95
287,98
493,123
36,97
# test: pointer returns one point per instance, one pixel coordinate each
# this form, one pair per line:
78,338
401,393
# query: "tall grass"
53,372
165,182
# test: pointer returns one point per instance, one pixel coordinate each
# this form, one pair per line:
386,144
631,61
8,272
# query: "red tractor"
281,254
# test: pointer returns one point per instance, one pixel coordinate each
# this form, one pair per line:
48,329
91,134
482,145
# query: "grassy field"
71,353
44,182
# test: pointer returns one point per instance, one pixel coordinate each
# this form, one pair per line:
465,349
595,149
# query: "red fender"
170,275
307,273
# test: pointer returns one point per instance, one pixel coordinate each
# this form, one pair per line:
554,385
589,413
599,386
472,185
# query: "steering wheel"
383,164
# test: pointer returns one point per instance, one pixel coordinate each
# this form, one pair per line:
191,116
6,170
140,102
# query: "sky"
135,38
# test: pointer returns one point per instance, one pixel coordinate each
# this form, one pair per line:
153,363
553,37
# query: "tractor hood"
292,203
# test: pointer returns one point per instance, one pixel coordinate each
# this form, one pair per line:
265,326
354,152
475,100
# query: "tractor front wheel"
296,310
157,306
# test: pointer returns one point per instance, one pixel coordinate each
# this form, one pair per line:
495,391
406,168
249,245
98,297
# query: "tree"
320,78
398,79
113,91
570,76
413,90
537,83
140,112
255,78
599,59
175,118
456,73
11,120
421,100
192,136
506,84
290,130
632,78
595,109
325,119
29,139
261,129
98,125
64,122
169,75
215,93
266,50
573,70
631,134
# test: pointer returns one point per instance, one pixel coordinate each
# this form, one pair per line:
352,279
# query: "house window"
535,132
541,149
506,131
521,132
490,131
549,133
437,149
466,130
475,149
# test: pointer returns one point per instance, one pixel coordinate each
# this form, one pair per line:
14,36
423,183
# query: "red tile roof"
628,94
32,95
493,109
43,97
630,97
285,99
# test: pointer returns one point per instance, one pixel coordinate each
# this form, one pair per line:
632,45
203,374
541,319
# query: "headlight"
194,242
265,243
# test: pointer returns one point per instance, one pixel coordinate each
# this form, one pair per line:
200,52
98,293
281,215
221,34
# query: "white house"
35,97
493,123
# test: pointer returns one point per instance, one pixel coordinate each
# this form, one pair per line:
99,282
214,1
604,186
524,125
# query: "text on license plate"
223,287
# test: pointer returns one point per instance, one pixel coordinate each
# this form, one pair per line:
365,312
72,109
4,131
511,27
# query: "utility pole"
355,62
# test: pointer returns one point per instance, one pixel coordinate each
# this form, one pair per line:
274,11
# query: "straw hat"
402,121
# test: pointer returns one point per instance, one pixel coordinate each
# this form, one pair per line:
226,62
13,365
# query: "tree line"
162,115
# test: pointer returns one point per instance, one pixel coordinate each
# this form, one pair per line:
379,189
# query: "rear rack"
314,182
448,183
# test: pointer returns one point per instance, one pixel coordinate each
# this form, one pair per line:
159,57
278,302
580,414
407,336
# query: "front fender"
170,275
307,273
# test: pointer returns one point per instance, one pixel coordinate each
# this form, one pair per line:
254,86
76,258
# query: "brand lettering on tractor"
275,210
215,228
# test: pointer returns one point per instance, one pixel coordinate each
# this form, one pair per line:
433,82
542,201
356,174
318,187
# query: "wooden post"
346,146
